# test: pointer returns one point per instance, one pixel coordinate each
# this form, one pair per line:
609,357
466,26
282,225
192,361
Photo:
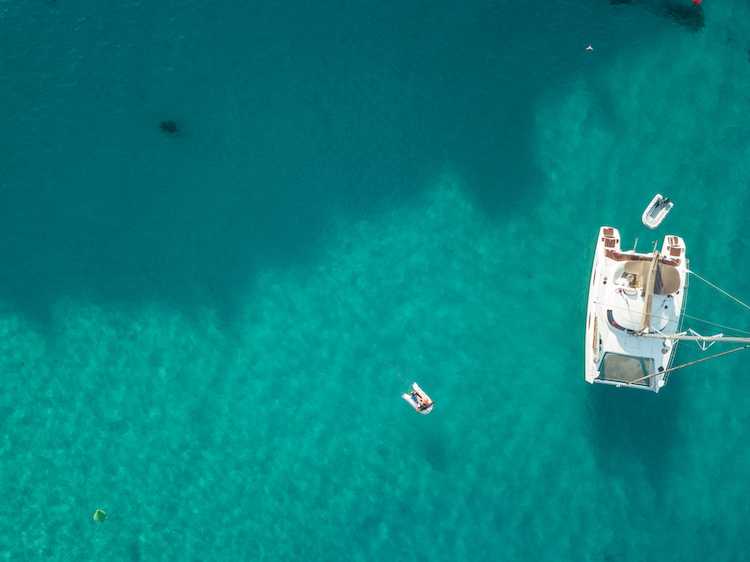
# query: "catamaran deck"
630,294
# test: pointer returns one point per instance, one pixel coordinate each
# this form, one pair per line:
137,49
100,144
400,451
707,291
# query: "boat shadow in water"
689,16
682,12
632,432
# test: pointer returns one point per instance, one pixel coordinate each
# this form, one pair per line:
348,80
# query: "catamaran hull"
614,353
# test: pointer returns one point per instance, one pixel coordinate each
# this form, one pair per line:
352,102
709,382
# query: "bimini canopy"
667,280
667,277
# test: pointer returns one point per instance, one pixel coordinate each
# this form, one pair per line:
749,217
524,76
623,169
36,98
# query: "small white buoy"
589,48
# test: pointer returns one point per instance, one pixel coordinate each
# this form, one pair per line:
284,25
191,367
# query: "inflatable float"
418,399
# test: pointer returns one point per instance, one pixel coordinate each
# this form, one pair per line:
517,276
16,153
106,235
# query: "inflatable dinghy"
419,400
656,211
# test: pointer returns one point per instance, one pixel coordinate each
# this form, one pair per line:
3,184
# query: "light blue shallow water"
206,334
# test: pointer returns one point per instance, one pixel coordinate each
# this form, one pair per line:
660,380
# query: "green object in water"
100,515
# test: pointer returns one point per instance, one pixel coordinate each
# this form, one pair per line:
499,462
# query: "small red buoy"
697,2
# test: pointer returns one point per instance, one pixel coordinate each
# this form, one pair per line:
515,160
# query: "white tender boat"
656,211
634,314
419,400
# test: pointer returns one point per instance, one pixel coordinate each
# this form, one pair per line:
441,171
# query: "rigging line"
715,324
707,282
690,363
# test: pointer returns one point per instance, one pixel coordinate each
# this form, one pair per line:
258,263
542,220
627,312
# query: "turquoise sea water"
206,334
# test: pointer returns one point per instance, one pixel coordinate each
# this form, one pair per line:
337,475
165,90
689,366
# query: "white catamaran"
634,314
